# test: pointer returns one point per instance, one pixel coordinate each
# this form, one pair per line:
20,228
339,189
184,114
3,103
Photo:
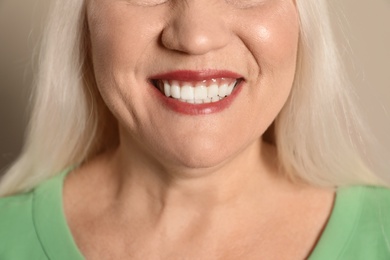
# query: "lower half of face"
195,85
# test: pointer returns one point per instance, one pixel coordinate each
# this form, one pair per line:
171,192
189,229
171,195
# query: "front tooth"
222,90
167,89
200,92
212,91
175,89
230,88
198,101
191,101
187,92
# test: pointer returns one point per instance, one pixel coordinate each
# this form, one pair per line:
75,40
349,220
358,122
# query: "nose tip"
195,32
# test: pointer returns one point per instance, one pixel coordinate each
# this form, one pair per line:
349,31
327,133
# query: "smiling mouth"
197,92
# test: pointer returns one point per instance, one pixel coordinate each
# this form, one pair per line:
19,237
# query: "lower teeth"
200,101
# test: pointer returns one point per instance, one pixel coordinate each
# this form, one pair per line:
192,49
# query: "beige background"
366,26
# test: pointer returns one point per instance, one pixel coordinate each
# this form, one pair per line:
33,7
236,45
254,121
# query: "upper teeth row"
201,93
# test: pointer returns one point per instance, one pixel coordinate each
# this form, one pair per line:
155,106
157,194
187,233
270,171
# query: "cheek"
110,41
119,35
272,38
271,34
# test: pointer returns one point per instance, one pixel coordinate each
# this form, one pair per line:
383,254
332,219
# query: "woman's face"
154,58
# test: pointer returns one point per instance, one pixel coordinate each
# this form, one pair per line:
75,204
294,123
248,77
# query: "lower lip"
198,109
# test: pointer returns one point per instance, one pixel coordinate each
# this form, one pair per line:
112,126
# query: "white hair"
319,135
69,119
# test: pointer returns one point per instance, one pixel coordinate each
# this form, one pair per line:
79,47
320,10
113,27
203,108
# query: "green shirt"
33,226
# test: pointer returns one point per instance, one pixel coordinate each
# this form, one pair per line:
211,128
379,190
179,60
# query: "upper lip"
196,75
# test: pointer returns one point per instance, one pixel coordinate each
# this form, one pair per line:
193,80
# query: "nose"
195,28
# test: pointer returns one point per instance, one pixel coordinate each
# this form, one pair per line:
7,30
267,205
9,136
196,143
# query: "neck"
247,177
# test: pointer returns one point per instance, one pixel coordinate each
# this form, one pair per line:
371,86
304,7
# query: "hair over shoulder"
317,133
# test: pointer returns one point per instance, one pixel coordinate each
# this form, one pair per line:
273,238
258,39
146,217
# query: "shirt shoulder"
33,225
370,236
358,227
375,207
18,237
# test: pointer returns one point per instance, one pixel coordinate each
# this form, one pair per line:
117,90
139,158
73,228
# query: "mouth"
197,91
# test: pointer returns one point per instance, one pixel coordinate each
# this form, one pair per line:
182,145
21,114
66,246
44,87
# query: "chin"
199,157
202,161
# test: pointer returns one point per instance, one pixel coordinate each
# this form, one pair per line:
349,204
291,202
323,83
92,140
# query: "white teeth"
175,89
212,91
167,89
230,88
187,92
202,92
222,90
215,99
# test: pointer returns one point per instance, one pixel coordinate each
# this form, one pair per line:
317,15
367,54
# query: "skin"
193,187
